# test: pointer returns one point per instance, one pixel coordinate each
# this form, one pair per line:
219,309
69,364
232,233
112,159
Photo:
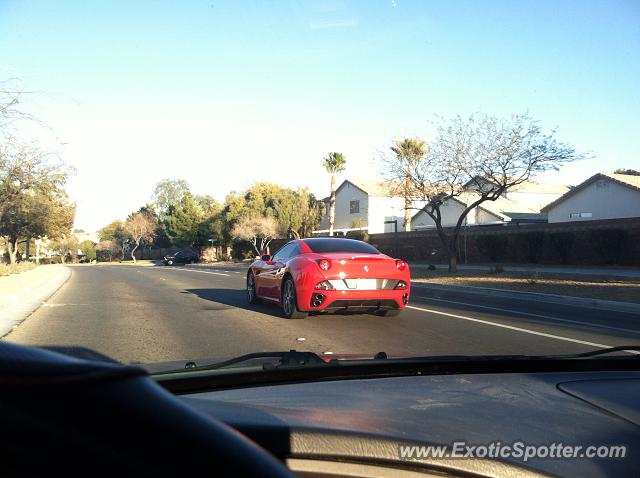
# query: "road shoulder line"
515,329
599,304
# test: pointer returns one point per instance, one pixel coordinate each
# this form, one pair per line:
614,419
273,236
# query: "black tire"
389,312
252,297
289,300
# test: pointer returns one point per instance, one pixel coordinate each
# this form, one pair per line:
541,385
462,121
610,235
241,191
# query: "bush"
243,250
358,235
408,253
561,243
528,247
493,246
609,244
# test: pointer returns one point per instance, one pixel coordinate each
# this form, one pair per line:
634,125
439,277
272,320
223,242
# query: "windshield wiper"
295,360
292,358
597,353
488,358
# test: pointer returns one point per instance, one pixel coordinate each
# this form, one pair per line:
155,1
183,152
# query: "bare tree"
334,163
259,231
141,227
12,93
480,157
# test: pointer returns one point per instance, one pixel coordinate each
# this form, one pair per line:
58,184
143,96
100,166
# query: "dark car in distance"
184,256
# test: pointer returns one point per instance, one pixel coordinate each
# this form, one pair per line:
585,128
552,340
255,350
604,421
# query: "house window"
574,215
354,207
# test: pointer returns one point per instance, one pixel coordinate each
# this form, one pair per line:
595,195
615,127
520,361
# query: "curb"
29,300
599,304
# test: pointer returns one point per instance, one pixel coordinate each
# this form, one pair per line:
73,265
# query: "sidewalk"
21,294
569,270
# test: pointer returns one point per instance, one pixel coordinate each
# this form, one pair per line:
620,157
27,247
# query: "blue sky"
225,93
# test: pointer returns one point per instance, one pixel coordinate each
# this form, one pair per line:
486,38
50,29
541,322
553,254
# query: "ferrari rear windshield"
322,245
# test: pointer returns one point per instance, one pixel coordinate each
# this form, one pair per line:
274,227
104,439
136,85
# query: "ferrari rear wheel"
289,301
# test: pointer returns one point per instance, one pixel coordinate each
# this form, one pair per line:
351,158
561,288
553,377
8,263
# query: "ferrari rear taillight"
401,265
324,285
324,264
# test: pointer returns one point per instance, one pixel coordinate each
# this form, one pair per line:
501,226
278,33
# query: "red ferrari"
330,274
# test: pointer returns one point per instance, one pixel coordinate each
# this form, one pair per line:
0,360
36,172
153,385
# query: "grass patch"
6,269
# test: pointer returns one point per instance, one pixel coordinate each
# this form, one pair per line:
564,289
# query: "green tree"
207,204
35,215
183,221
334,163
167,194
409,152
88,248
297,213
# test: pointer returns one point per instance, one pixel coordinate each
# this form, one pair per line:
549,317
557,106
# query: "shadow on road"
236,298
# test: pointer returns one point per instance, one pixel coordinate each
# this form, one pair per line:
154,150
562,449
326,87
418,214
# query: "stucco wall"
383,209
486,217
344,218
604,199
450,211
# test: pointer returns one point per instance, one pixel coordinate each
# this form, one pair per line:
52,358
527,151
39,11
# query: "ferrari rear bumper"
360,301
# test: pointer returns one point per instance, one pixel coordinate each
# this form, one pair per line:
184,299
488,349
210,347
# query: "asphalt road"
159,314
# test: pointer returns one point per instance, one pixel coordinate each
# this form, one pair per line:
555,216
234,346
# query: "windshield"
466,175
340,245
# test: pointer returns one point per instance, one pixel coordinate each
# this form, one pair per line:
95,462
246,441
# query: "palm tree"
409,151
333,163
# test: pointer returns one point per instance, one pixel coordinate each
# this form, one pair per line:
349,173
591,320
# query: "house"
522,204
367,205
602,196
372,206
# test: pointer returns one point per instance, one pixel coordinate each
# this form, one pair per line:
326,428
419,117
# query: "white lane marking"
517,329
193,270
59,305
512,311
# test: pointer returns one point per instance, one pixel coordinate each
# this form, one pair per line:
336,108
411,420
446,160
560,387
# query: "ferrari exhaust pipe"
317,300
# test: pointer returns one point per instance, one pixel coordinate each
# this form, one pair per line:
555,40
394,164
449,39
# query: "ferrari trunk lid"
354,266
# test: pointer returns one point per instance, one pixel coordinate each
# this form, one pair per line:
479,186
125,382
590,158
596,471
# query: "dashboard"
357,428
